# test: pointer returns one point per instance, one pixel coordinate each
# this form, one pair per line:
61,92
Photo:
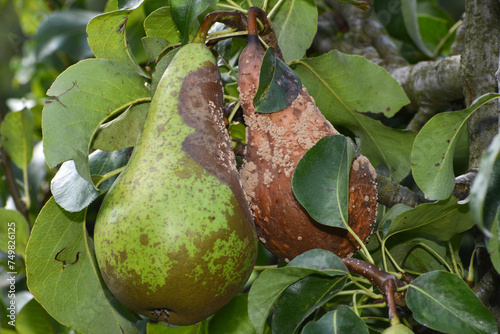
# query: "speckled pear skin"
174,237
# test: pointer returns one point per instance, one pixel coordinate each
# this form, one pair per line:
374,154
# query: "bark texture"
479,67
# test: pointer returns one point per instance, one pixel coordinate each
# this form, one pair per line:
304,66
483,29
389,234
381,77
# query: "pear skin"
174,237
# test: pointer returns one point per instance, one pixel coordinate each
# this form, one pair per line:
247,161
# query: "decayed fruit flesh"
275,144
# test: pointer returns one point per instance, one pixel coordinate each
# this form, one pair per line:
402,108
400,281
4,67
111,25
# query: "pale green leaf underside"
444,302
484,198
107,38
85,95
441,220
295,24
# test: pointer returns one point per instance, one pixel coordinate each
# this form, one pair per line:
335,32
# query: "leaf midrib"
354,115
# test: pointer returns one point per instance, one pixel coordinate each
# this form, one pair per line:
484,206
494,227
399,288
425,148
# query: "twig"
10,179
390,194
385,282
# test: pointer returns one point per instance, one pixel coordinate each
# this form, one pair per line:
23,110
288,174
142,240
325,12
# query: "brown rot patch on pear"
275,144
200,106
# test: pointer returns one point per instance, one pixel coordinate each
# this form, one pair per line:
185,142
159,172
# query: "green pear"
174,237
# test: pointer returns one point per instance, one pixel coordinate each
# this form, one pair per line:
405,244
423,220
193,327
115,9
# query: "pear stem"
253,37
232,19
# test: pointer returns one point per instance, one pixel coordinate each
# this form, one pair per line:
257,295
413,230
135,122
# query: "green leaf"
343,87
271,283
443,302
441,220
484,198
14,231
432,30
322,260
410,18
295,24
161,67
185,12
33,319
162,328
161,24
389,216
232,318
107,38
153,46
434,147
494,242
63,275
84,96
123,131
72,192
278,87
421,253
237,131
321,180
16,137
342,320
266,290
302,298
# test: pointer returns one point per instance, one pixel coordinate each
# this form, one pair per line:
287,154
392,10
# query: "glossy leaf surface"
278,87
161,24
443,302
321,180
301,299
184,13
341,320
441,220
434,148
271,283
410,18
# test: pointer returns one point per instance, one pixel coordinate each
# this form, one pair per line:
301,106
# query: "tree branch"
390,194
365,35
10,179
432,85
478,66
385,282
